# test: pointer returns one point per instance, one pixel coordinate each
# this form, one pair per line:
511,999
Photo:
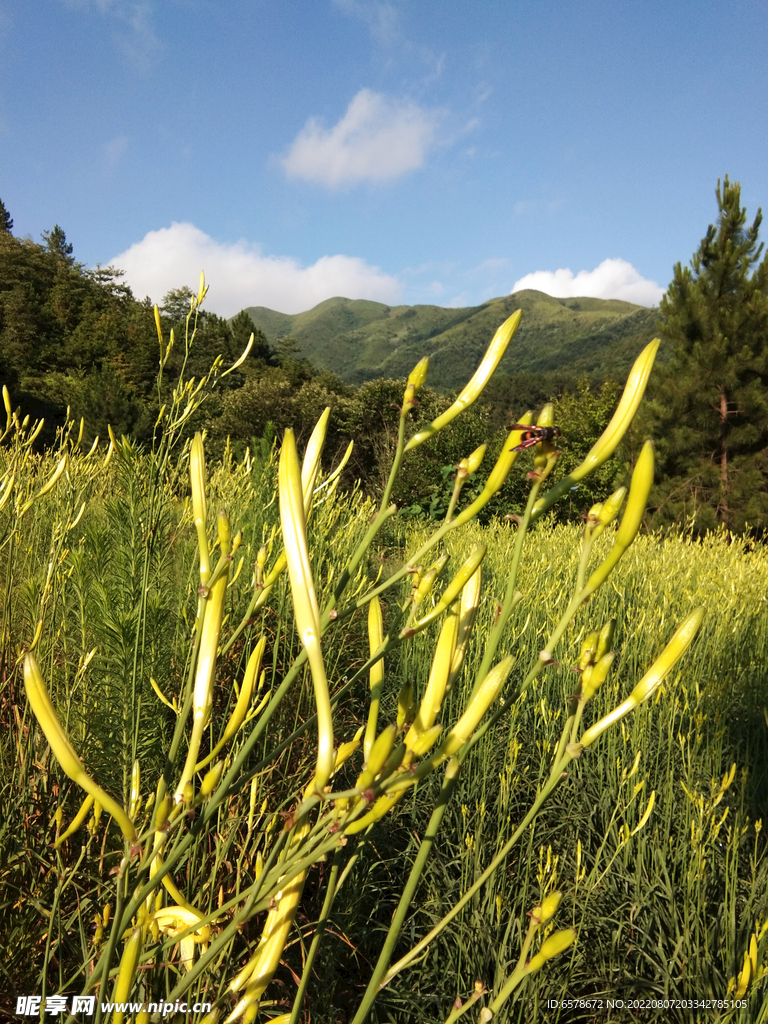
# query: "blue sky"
416,151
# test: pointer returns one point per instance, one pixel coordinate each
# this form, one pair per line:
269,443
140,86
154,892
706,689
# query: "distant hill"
360,340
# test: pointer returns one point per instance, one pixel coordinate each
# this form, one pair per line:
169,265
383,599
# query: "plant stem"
409,891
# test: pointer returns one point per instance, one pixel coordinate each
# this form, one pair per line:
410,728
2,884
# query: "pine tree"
56,242
712,407
6,221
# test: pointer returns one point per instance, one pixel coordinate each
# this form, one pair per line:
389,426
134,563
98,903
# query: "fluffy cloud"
376,140
240,275
613,279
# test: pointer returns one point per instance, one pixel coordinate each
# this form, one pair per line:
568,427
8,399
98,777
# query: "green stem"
330,896
376,983
509,598
497,861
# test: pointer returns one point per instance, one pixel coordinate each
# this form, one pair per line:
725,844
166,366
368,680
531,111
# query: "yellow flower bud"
594,679
551,947
127,972
656,674
62,749
587,653
307,614
133,807
418,374
380,751
475,387
487,692
211,780
605,640
642,481
547,910
311,464
605,446
438,677
346,750
454,588
423,742
472,462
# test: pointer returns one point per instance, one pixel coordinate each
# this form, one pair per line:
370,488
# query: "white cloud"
240,275
613,279
377,139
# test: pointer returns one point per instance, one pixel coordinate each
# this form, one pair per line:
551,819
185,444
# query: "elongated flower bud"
642,481
418,374
594,677
62,749
346,750
133,807
77,821
260,970
469,600
311,464
625,412
199,507
496,478
379,753
609,440
653,678
376,674
305,606
587,653
237,717
126,974
423,742
487,693
454,588
438,677
62,465
551,947
605,640
474,388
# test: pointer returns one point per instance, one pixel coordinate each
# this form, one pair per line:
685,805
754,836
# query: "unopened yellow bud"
418,374
594,677
135,789
475,387
211,780
586,655
457,584
312,456
379,753
613,433
642,481
656,674
423,742
551,947
487,692
547,910
472,462
346,750
605,640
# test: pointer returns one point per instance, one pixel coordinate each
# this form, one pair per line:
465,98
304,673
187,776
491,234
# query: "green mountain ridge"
360,340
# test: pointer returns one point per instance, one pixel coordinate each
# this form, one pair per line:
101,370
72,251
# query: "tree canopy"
711,409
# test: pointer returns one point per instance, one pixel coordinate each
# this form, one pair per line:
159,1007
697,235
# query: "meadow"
327,832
